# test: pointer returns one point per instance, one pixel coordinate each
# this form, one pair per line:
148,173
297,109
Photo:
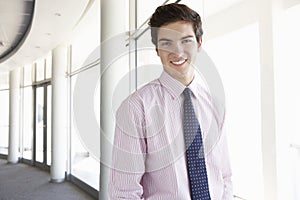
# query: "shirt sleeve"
226,167
129,150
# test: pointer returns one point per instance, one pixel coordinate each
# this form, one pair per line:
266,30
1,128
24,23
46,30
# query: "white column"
59,114
14,116
267,30
113,23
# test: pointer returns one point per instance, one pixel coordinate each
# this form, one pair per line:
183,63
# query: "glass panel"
39,124
148,63
40,70
145,9
49,112
83,165
27,123
4,121
49,66
4,80
97,103
28,75
86,38
198,6
287,105
240,74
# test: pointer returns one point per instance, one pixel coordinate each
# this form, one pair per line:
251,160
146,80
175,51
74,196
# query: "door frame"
43,164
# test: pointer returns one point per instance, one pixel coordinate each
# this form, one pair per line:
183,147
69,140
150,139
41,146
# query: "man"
169,137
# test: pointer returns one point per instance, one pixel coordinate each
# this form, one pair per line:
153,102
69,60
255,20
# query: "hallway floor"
24,182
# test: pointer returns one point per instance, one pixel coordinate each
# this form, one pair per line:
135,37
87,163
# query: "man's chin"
180,74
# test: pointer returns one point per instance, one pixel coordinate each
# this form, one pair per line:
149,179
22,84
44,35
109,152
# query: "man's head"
169,13
176,32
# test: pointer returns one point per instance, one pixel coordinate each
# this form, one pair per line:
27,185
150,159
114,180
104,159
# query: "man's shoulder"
146,90
144,93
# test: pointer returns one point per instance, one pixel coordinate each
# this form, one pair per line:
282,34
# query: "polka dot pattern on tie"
194,145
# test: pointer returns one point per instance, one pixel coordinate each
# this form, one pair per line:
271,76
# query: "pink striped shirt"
149,152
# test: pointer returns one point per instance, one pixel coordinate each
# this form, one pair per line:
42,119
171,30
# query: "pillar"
113,23
59,114
268,10
14,116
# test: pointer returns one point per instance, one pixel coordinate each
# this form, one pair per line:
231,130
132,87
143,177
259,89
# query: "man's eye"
165,44
185,41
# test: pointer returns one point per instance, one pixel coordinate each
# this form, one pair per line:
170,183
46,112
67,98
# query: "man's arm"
128,158
226,166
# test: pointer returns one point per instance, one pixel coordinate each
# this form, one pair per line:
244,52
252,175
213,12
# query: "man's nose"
177,49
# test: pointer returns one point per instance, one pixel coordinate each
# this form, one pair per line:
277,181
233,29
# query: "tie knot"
187,92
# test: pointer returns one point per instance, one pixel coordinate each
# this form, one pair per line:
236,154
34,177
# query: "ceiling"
52,23
15,21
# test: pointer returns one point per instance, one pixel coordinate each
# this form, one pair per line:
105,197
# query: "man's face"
177,48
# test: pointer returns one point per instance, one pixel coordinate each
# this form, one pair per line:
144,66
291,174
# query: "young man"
169,137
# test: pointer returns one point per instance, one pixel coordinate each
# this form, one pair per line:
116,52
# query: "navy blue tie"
194,151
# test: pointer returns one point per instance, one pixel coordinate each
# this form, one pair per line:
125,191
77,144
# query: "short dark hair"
174,12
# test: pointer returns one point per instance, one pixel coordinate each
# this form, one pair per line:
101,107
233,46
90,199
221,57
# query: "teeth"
178,62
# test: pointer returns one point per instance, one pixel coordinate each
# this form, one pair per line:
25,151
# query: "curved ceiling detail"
14,26
53,22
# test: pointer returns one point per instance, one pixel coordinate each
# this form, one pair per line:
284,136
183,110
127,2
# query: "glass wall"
85,165
27,113
240,74
27,122
287,105
40,70
48,66
36,91
4,113
49,124
85,63
39,124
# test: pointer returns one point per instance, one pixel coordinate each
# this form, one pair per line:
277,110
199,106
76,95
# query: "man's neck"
186,79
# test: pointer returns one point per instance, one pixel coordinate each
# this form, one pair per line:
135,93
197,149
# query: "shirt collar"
175,87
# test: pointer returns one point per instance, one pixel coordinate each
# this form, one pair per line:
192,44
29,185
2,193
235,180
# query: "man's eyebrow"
169,40
164,39
186,37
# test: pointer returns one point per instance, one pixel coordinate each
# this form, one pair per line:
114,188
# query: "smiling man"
169,137
177,46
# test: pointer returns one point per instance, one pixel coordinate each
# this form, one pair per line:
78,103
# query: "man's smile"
179,63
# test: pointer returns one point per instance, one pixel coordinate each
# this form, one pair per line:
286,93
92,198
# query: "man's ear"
156,51
199,44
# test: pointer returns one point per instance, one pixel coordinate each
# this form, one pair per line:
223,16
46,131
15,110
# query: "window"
27,122
49,66
86,38
27,75
287,105
84,166
236,56
40,70
84,61
4,121
4,80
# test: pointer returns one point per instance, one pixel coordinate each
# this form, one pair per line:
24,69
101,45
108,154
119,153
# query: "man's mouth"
179,62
